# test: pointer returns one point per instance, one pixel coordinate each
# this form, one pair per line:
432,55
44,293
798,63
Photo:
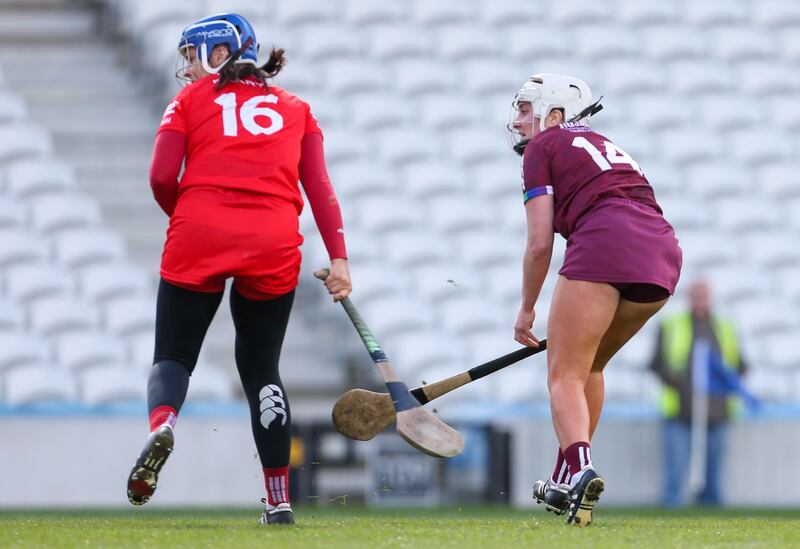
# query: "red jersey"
580,167
244,137
238,201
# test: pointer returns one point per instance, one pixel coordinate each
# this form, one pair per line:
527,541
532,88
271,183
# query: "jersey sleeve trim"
536,191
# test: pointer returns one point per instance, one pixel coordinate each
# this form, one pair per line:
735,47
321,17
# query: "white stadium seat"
325,42
55,315
780,180
776,13
416,76
355,180
55,212
30,177
443,12
128,315
733,44
632,77
579,12
635,13
469,315
369,13
757,147
443,281
377,112
607,42
772,250
408,249
39,384
761,78
12,316
402,145
375,282
665,178
789,283
17,246
140,349
524,44
145,13
434,178
249,8
469,146
683,218
395,315
304,12
32,281
701,77
13,214
657,112
782,350
739,215
716,180
440,112
483,77
637,353
112,384
328,111
77,351
23,141
347,77
724,112
453,214
685,147
209,384
110,280
12,107
509,12
765,316
486,249
732,284
77,248
21,349
384,214
784,112
344,145
708,249
393,42
716,12
769,385
462,42
415,351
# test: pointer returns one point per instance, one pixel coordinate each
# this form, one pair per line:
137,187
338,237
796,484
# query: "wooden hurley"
418,426
360,414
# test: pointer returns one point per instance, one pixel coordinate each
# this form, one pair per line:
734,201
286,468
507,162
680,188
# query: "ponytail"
232,71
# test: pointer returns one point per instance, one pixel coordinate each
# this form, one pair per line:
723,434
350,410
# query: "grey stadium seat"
56,212
434,178
80,350
394,315
780,180
372,112
325,42
421,76
674,42
129,315
210,384
17,246
465,41
776,13
348,77
383,214
716,12
743,43
294,14
21,349
415,351
393,42
509,12
443,12
486,249
32,281
762,78
12,107
370,13
110,280
29,177
404,145
469,315
12,316
13,214
440,112
60,314
701,77
454,213
637,13
757,147
358,179
112,384
23,141
724,112
579,12
344,146
409,249
607,42
77,248
39,384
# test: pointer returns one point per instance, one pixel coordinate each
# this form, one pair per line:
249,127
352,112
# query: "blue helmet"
230,29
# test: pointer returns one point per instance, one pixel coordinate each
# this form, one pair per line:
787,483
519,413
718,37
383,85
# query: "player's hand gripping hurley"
416,425
360,414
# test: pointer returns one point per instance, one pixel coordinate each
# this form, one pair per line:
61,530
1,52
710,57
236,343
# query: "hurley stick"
360,414
416,425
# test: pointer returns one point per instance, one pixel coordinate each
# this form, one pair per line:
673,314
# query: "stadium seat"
763,78
780,180
384,214
737,215
295,14
767,384
209,384
378,112
776,13
12,316
606,42
359,179
128,315
504,282
392,316
657,112
789,283
370,13
363,248
393,42
578,12
375,282
469,315
453,214
782,350
709,248
472,145
403,145
639,351
140,348
39,384
322,42
30,177
484,249
633,76
496,180
56,315
31,281
416,76
765,316
18,246
684,147
724,112
20,349
524,45
416,351
249,8
713,181
55,212
12,107
683,218
624,385
635,14
510,213
110,280
732,284
328,111
443,12
344,145
12,213
146,13
434,178
463,42
407,249
734,44
80,350
440,112
80,247
635,142
484,78
112,384
509,12
523,385
439,282
701,77
299,77
347,77
774,249
715,12
783,114
23,141
757,147
666,179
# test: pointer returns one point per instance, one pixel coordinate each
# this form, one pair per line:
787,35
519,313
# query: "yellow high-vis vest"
676,346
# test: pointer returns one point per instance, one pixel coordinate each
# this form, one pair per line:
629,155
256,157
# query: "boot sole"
143,479
591,495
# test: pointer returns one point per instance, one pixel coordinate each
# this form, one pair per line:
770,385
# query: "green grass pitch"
355,526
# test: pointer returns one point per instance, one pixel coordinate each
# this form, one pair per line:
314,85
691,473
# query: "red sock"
578,456
561,471
276,480
161,415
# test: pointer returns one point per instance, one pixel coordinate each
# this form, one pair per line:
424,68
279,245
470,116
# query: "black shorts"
641,293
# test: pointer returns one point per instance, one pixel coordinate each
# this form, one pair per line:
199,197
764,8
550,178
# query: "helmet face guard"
230,30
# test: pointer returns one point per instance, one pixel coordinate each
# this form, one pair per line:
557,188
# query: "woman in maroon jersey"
621,265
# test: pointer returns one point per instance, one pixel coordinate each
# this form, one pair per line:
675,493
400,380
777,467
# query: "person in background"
698,359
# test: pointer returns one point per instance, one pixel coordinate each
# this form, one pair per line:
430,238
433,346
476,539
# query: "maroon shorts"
625,244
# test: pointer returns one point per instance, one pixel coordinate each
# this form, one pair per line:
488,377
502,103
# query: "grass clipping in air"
355,526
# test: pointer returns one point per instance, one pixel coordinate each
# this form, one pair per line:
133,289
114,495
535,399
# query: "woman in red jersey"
245,144
621,265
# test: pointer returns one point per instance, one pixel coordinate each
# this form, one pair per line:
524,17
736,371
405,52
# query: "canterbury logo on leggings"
272,405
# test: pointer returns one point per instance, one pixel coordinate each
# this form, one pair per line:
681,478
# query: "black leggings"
182,320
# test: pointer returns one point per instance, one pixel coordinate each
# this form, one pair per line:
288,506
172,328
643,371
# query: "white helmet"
547,91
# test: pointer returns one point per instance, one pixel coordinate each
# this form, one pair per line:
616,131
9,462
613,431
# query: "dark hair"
232,71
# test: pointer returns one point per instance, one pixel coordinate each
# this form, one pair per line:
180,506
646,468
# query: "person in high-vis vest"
680,336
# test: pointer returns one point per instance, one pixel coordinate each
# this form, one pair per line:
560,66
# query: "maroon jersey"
580,167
